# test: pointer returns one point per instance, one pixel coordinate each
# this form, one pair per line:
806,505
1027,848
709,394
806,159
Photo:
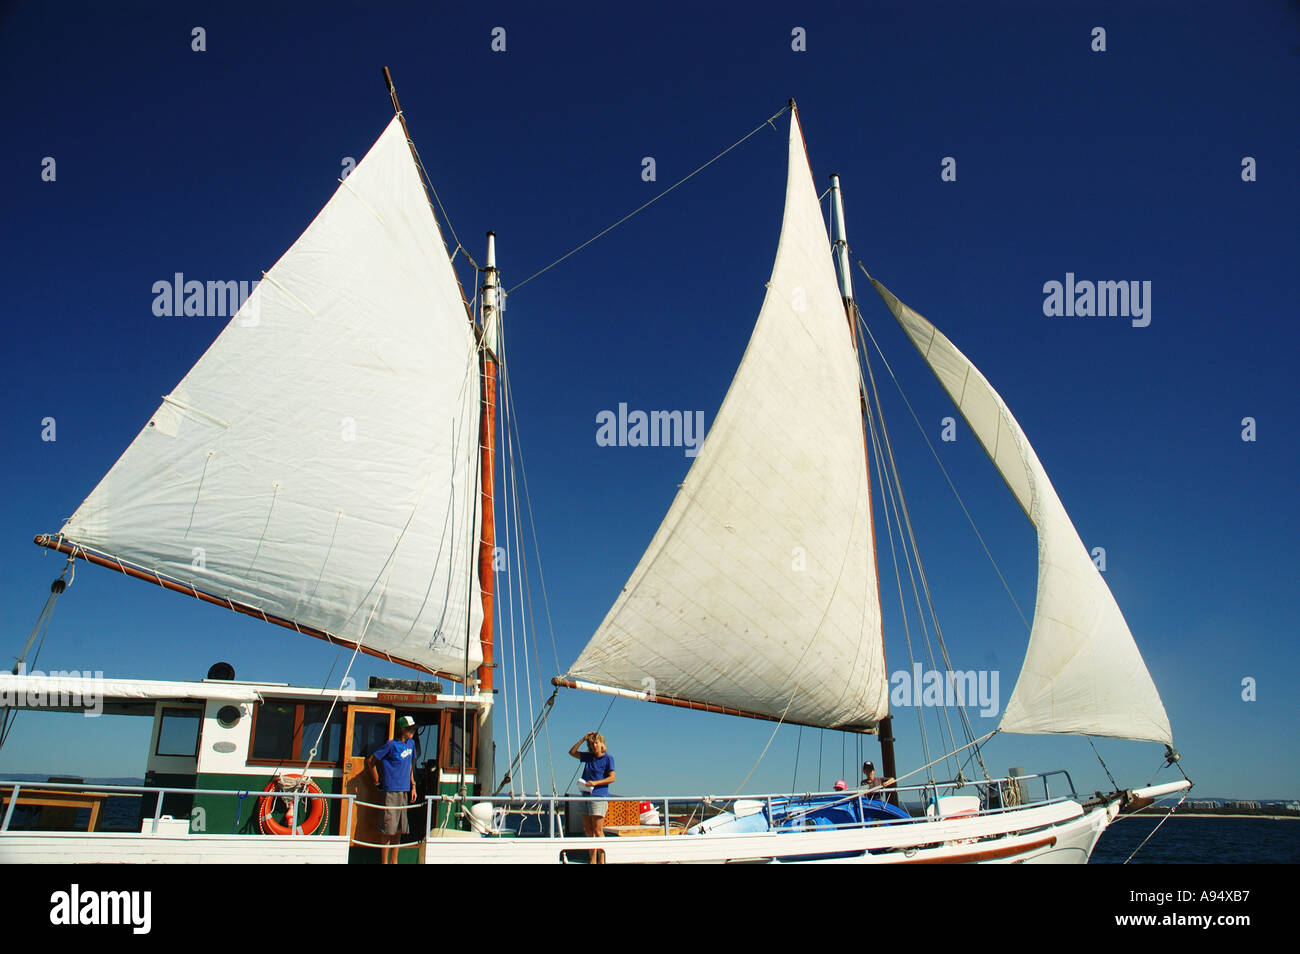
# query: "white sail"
320,460
1083,673
758,593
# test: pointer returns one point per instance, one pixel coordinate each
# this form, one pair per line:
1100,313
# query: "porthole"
228,717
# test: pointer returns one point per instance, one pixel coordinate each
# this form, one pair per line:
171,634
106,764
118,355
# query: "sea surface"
1194,840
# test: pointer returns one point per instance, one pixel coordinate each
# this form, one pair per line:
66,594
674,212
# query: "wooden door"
368,727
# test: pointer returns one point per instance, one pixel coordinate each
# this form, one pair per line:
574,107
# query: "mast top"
839,240
392,92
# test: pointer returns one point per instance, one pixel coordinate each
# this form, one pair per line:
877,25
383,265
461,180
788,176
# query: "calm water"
1242,841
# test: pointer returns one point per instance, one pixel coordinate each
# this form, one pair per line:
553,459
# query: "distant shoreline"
1150,813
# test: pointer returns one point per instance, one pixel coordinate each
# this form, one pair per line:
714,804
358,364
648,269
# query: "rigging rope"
1168,815
1103,763
521,576
651,202
39,631
428,184
527,744
894,558
887,443
794,779
944,470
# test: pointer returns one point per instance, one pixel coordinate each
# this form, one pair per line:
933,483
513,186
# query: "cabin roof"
76,691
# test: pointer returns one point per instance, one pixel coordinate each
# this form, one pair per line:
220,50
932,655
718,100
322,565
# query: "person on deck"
871,781
391,769
597,777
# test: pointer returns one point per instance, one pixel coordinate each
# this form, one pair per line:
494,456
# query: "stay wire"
953,487
915,550
691,175
39,631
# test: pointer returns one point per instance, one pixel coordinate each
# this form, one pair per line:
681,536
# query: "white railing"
783,812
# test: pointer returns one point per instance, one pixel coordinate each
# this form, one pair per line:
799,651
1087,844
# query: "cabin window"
330,747
284,732
369,732
451,736
273,732
178,733
426,741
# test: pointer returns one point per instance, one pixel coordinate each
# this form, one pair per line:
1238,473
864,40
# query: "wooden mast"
840,248
490,321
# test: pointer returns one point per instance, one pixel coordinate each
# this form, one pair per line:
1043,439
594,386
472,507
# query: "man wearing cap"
391,770
871,781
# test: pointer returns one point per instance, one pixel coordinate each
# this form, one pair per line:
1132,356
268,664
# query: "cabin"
223,735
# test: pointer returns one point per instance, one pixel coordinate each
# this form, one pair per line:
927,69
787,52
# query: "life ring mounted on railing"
282,788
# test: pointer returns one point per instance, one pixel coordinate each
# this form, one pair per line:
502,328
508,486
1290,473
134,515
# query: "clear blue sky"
1116,165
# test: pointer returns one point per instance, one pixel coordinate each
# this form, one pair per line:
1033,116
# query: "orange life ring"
317,816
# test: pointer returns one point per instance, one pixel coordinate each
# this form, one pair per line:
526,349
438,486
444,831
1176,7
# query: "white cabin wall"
172,764
234,762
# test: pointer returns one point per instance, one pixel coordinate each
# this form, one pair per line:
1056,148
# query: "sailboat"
328,466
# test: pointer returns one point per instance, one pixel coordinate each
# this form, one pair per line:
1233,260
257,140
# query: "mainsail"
758,593
320,461
1083,673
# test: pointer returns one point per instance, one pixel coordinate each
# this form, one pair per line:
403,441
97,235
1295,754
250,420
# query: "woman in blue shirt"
597,776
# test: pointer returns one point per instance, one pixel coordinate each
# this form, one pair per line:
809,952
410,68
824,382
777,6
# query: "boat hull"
1059,833
1063,833
57,847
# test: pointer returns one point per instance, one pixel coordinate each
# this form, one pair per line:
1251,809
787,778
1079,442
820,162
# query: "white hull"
1061,833
104,848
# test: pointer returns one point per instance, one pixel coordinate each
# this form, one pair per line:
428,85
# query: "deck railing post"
157,810
665,816
9,812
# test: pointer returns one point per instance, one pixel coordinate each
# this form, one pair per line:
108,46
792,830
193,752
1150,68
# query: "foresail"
758,593
1083,673
319,462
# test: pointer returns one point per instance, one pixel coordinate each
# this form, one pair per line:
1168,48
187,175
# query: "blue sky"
1117,165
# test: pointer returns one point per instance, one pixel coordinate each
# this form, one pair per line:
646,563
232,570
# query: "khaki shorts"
392,820
596,806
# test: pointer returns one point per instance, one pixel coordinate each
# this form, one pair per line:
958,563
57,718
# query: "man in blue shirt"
597,777
391,770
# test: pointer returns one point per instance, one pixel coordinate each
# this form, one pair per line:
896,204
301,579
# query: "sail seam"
306,309
364,204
